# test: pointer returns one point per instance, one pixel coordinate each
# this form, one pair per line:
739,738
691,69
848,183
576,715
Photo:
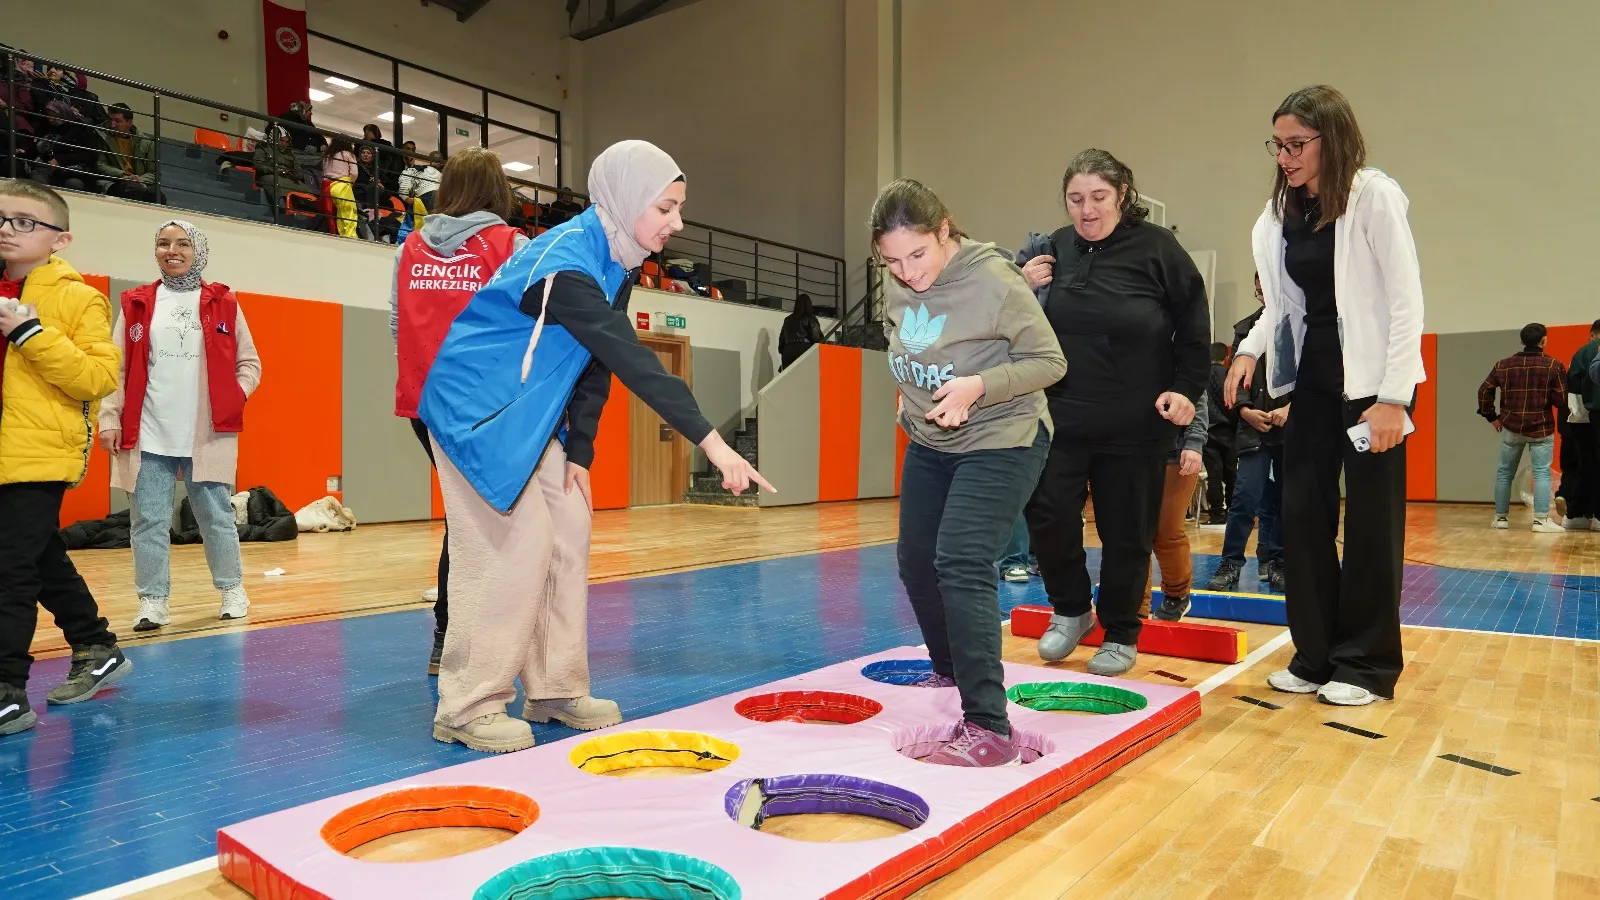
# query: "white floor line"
1547,637
1257,655
128,889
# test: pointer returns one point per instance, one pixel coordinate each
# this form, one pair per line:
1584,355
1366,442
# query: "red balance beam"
1185,640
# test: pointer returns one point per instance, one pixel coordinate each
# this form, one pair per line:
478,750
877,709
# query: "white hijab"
624,180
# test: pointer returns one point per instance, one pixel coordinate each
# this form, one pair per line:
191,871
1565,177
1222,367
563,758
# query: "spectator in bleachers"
371,194
301,132
389,161
69,149
800,330
280,169
131,160
421,181
16,102
338,177
565,207
85,101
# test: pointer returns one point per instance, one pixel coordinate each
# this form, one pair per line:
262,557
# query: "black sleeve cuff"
20,334
580,449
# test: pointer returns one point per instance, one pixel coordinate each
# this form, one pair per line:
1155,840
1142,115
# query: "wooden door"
659,455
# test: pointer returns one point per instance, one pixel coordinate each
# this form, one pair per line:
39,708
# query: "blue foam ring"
898,671
611,872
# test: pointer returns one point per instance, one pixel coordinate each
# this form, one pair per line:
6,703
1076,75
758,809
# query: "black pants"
441,607
36,571
1345,620
134,190
1580,470
956,513
1222,466
1127,509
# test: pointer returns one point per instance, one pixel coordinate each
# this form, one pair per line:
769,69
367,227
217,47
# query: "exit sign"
641,321
677,322
463,132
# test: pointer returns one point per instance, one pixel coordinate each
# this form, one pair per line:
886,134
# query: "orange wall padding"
91,499
610,476
1564,341
437,495
901,439
1422,451
839,431
293,436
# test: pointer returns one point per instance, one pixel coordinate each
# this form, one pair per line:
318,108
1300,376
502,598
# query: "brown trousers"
519,594
1172,538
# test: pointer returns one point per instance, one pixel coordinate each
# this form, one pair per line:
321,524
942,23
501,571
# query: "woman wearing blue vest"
512,404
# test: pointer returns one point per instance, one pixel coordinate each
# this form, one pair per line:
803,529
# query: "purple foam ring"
794,795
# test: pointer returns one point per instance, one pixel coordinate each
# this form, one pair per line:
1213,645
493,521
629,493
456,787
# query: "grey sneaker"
1172,609
1113,659
93,668
1226,577
1063,635
15,713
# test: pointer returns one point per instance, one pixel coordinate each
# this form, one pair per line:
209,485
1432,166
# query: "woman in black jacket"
1129,307
801,329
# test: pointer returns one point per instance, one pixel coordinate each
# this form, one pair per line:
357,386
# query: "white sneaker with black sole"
235,605
152,614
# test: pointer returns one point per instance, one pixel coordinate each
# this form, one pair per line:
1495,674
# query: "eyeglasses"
25,225
1295,148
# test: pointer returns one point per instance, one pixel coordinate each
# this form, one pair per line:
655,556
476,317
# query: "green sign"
677,322
463,132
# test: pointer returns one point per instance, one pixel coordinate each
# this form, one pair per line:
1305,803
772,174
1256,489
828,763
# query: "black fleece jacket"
579,305
1131,314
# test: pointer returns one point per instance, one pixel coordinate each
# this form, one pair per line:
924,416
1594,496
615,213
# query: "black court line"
1361,732
1498,770
1261,703
1165,674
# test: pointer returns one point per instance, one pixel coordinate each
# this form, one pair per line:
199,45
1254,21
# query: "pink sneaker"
975,746
935,680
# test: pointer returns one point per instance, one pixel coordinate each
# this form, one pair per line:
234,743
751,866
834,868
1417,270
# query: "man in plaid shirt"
1532,385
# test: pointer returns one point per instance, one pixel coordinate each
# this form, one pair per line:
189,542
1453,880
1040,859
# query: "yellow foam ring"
1244,646
645,749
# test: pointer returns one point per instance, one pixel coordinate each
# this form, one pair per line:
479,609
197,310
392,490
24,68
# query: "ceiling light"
340,82
516,166
319,96
389,117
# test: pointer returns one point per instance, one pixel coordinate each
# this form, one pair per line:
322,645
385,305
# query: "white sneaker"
235,605
1017,575
1547,526
1572,524
1340,694
431,595
1502,522
1290,683
152,614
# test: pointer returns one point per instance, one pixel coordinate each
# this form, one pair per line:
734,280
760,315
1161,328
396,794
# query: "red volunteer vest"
432,290
219,310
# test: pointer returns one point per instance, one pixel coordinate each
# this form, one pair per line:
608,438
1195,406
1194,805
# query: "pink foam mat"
284,855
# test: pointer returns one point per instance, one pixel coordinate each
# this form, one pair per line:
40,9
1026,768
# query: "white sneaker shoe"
1017,575
152,614
235,605
431,595
1572,524
1547,526
1340,694
1502,522
1290,683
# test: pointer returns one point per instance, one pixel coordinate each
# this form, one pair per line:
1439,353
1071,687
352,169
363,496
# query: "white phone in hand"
1361,434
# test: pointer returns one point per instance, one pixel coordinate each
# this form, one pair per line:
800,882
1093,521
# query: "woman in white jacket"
1342,329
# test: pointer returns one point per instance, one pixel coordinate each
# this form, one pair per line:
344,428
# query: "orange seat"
216,140
647,281
288,208
716,293
650,268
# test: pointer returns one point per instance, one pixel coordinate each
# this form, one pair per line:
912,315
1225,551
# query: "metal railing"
244,182
860,323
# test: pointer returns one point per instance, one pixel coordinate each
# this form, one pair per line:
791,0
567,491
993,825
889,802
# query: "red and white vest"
219,311
431,292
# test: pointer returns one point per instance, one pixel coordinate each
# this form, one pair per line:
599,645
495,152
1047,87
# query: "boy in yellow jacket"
56,362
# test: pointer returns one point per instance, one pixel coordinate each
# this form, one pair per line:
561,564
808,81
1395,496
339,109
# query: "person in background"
1130,310
57,360
16,119
801,329
1532,386
69,150
565,207
1342,330
131,160
421,181
1171,545
1017,563
1221,461
1580,454
189,365
389,162
469,228
338,178
280,169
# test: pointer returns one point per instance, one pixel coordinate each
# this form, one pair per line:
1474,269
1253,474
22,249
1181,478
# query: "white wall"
747,95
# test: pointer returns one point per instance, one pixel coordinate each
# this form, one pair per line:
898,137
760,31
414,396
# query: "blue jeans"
1018,551
151,520
1541,449
1257,493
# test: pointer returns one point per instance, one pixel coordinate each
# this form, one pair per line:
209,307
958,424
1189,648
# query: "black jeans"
1221,471
956,513
441,607
1345,620
1127,508
36,571
1580,470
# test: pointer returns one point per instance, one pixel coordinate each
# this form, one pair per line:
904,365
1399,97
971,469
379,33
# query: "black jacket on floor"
267,520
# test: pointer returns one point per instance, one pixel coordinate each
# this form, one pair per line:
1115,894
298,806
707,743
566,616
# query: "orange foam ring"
1185,640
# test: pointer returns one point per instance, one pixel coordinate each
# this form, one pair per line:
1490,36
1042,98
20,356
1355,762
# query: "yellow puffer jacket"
54,381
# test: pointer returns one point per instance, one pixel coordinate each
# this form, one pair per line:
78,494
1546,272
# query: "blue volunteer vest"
493,425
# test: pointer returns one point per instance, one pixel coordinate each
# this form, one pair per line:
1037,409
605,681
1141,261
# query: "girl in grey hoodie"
972,353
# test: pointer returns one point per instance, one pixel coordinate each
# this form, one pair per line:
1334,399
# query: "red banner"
288,64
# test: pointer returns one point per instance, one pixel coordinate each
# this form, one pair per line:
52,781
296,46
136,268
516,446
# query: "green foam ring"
611,872
1076,696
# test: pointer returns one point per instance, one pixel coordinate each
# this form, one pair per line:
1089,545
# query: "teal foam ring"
591,872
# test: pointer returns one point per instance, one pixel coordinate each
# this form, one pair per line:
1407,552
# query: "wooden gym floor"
1250,801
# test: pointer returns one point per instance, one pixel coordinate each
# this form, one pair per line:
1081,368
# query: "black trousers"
956,513
1344,619
36,571
1127,508
1580,470
441,607
1222,466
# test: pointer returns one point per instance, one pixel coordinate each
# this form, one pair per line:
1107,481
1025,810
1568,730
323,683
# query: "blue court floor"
214,730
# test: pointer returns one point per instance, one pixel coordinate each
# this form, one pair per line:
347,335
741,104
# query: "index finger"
756,477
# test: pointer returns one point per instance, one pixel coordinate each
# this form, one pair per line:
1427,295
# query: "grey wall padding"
716,390
878,427
386,473
790,432
1468,448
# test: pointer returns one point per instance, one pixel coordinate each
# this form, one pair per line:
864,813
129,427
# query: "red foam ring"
963,842
1184,640
816,706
